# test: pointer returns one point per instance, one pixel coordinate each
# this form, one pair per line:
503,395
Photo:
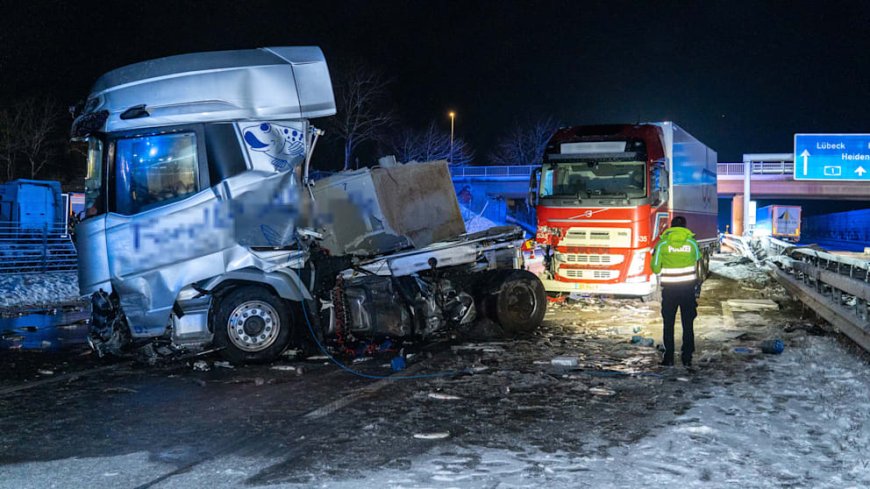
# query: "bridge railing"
493,171
757,168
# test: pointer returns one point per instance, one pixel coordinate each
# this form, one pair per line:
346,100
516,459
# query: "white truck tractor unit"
202,229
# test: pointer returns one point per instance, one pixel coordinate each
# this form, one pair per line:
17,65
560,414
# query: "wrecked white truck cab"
201,227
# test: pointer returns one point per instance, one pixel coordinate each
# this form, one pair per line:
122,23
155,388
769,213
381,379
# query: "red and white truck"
605,193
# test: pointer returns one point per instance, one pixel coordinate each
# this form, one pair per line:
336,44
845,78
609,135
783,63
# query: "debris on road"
479,347
45,372
601,391
287,368
223,364
564,362
431,436
641,341
119,390
201,366
774,347
443,397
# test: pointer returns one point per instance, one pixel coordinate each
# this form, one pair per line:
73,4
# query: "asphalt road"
68,420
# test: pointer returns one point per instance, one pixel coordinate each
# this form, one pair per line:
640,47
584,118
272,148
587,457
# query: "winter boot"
687,360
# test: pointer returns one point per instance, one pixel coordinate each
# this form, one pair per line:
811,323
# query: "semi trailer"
202,228
605,193
778,221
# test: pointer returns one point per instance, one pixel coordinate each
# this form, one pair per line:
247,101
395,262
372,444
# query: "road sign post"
832,157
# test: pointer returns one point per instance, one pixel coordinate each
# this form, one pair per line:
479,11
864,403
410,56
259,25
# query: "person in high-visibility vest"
675,258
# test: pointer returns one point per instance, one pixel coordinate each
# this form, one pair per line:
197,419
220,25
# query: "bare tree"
9,142
429,144
25,136
525,143
38,119
360,97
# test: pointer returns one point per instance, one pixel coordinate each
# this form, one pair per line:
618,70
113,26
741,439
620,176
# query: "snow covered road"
617,419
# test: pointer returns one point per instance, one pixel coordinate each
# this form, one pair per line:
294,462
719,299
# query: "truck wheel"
517,301
251,324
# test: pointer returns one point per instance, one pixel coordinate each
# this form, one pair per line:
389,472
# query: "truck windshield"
626,179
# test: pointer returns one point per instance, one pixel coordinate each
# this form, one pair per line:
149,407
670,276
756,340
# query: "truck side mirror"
659,184
533,187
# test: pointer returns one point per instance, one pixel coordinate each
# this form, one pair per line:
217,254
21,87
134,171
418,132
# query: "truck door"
164,226
93,269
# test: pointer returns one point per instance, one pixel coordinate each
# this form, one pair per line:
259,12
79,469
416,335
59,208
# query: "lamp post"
452,118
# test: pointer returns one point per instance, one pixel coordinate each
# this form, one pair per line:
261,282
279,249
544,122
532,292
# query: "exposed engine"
399,307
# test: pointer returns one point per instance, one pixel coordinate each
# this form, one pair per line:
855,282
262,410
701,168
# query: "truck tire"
251,324
516,301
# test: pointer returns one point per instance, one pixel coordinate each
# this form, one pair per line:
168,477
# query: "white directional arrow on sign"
805,155
860,171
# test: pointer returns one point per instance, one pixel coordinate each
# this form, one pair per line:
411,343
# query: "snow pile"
38,289
476,222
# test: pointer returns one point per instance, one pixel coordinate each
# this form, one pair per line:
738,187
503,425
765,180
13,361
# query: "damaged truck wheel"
251,324
516,300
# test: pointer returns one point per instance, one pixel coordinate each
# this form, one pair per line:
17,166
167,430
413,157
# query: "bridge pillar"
747,197
737,216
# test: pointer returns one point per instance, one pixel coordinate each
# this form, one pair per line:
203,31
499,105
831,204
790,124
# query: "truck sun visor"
593,147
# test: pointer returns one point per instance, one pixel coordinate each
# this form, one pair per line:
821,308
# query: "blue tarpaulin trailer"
33,228
31,204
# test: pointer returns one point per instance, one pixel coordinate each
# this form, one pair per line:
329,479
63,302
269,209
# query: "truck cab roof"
278,83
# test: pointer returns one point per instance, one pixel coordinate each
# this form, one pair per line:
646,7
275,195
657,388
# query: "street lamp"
452,118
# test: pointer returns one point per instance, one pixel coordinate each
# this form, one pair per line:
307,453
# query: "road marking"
337,404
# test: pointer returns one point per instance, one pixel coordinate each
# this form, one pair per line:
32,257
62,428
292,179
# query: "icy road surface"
617,419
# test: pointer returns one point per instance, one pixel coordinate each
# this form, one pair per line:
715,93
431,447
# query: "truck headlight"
638,260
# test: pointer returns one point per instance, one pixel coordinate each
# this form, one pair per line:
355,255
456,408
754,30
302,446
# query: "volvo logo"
588,213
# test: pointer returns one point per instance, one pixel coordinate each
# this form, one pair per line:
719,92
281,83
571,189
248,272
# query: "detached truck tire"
251,324
516,300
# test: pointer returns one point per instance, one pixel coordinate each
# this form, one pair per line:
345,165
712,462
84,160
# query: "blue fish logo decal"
284,144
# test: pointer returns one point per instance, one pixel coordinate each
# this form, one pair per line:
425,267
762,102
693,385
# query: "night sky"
741,76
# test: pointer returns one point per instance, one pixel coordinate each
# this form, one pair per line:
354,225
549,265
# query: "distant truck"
203,229
34,205
605,193
778,221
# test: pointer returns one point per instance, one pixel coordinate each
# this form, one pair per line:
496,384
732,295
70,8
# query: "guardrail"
758,168
493,171
26,249
836,287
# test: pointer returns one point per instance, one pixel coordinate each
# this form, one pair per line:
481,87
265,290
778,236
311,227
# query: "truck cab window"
151,171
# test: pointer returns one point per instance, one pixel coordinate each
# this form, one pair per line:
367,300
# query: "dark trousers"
682,297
